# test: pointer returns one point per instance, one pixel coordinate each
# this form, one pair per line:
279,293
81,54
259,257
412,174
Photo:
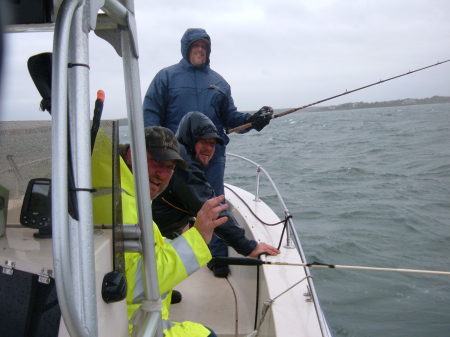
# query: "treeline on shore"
383,104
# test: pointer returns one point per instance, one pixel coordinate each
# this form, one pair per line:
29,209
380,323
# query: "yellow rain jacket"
175,259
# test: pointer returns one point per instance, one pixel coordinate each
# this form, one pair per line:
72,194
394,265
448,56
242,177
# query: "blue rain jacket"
181,88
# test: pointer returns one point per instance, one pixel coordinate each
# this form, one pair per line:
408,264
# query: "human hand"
261,118
207,217
262,248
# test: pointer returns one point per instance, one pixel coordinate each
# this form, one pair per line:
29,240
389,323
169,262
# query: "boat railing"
73,246
292,238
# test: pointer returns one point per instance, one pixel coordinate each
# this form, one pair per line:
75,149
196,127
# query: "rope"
285,220
83,189
139,315
254,214
284,230
268,305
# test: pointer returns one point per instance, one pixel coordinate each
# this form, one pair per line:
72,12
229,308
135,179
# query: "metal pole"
82,244
60,217
139,162
258,174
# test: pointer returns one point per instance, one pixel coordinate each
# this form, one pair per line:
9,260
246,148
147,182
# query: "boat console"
29,303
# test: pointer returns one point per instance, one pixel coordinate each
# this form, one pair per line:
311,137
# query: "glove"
261,118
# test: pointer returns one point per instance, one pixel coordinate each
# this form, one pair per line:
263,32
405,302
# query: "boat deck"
213,302
25,253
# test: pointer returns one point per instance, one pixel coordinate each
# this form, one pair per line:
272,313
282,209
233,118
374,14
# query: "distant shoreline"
383,104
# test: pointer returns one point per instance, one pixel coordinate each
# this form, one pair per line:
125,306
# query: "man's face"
159,174
204,150
198,52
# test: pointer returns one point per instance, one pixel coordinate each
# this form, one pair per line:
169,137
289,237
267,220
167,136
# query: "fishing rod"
245,261
346,92
98,109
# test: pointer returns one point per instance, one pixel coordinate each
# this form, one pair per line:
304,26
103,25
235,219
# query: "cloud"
281,53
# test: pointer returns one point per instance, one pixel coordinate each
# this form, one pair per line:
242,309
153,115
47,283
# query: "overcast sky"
283,53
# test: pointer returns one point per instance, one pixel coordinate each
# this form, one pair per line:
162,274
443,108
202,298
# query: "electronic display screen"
39,199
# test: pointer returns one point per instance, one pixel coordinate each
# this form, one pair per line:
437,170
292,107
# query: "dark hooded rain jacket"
189,189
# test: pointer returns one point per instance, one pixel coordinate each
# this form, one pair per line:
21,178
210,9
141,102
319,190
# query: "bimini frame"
73,247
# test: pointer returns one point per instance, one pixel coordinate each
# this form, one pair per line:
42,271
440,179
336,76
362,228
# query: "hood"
194,126
191,35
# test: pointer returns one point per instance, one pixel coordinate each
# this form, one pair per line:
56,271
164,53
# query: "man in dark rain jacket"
191,85
189,189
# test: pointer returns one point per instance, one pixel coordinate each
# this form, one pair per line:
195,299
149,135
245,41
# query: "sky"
284,53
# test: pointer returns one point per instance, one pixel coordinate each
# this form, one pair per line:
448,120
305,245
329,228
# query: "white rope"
138,316
268,305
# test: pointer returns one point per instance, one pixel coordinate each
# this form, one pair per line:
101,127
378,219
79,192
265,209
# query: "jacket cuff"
251,245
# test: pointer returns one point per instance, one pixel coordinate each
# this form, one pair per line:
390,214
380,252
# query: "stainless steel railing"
292,239
73,248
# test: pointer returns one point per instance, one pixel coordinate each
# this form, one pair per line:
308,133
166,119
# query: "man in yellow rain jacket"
175,259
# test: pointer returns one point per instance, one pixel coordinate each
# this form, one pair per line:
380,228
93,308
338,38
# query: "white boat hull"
228,305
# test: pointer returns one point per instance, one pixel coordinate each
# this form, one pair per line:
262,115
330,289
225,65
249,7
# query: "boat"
270,300
58,282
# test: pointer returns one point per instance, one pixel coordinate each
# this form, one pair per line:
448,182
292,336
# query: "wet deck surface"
210,300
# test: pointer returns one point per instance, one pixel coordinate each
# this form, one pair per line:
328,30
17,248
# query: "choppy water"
366,187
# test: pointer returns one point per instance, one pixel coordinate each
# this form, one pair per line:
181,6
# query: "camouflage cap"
161,143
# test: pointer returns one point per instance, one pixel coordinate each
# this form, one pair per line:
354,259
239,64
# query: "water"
366,187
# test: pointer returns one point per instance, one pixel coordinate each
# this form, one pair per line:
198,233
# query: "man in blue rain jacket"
191,85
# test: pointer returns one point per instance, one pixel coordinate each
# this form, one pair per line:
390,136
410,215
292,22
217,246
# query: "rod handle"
236,261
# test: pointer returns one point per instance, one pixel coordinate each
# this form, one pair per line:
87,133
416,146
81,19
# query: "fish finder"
37,207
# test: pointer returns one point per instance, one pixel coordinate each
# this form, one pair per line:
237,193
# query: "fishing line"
336,266
246,261
346,92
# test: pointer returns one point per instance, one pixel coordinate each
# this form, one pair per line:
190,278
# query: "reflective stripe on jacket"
175,260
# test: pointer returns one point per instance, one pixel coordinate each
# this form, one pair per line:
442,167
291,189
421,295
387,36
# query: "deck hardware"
9,267
258,174
289,241
45,276
308,295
